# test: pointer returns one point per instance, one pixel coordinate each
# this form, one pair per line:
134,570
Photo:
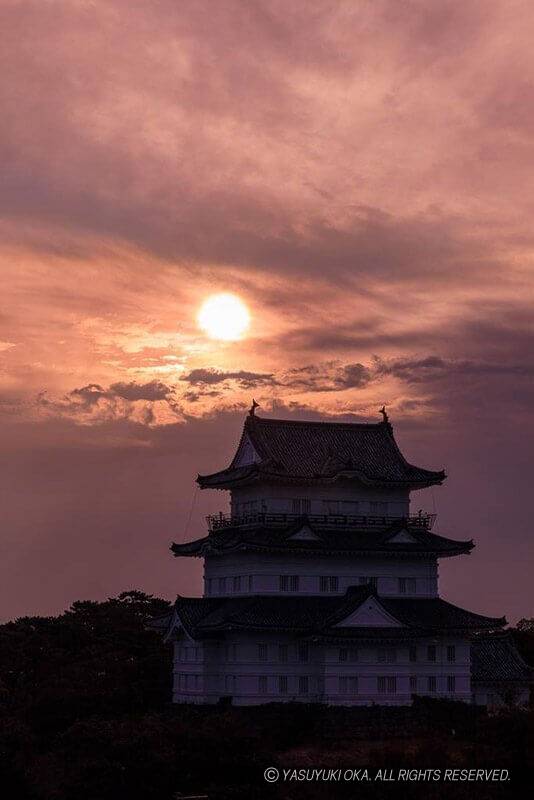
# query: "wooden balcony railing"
220,521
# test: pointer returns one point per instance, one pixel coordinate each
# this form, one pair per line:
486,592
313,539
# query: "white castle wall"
205,672
352,498
260,574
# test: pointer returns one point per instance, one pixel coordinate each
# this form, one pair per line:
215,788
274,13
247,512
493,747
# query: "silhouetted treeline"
85,715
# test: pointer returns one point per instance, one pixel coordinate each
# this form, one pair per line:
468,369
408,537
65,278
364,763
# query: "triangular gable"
369,614
176,630
305,534
403,537
246,453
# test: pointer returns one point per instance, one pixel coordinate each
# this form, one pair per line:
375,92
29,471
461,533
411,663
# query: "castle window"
303,684
432,684
250,582
262,684
301,506
431,652
412,653
222,585
237,584
407,585
348,684
283,652
288,583
349,507
350,655
329,583
331,506
387,655
451,653
386,684
230,683
282,684
379,507
413,683
402,585
262,652
372,581
304,653
451,683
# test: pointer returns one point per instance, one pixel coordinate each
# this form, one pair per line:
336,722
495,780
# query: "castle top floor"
337,462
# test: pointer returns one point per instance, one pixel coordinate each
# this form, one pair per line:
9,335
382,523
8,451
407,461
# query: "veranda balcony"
220,521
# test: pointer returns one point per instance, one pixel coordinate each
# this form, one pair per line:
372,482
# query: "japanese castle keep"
320,586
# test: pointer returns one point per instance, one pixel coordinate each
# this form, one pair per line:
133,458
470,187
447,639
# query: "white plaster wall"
266,568
238,657
279,499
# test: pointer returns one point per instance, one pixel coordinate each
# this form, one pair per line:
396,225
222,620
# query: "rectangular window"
343,654
412,653
283,652
373,581
413,683
387,655
411,585
320,685
349,507
262,652
353,684
379,507
304,653
402,585
282,684
262,684
329,583
283,583
250,583
237,584
303,684
331,507
451,653
301,506
222,585
343,685
350,655
432,683
431,652
293,583
208,586
386,684
230,683
451,683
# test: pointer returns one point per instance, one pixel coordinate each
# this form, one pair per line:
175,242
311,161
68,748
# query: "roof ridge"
253,419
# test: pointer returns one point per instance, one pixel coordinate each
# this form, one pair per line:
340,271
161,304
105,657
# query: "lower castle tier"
320,587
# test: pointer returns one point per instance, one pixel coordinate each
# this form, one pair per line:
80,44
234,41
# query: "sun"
224,316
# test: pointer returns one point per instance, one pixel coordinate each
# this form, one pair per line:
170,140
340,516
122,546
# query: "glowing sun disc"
224,316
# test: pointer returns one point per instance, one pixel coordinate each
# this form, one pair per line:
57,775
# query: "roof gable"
246,453
403,537
304,534
369,614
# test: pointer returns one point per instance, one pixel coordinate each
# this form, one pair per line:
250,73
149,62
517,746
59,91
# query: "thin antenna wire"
193,499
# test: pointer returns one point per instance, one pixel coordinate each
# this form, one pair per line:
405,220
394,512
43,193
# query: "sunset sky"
359,173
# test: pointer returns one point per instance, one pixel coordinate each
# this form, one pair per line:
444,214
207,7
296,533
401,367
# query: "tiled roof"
496,658
317,452
202,616
327,541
